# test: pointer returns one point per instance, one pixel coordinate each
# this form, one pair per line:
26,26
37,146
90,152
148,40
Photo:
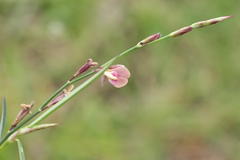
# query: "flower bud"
201,24
181,31
25,110
90,63
59,97
149,39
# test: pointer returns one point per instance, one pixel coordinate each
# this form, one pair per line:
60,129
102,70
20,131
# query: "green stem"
40,108
18,126
4,144
81,87
54,95
85,84
71,95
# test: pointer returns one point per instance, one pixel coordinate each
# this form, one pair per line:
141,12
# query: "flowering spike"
90,63
149,40
201,24
181,31
117,75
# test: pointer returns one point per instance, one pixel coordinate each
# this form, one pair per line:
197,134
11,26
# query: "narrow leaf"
20,150
3,117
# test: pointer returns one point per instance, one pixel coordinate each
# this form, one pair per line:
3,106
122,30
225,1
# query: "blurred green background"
181,103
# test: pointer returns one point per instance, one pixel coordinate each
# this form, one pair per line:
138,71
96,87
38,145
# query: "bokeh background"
182,101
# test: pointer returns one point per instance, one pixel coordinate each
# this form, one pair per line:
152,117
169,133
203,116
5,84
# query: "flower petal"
121,71
119,83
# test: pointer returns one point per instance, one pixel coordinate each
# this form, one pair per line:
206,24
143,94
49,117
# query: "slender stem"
92,72
19,126
34,114
77,90
82,77
94,77
4,144
40,108
54,95
72,94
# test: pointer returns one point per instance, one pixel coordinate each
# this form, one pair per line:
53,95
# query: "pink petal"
120,71
119,83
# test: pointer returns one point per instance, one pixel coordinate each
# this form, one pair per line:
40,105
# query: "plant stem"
54,95
4,144
71,95
179,32
85,84
78,89
41,107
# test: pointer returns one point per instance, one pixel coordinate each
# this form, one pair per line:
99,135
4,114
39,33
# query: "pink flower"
117,75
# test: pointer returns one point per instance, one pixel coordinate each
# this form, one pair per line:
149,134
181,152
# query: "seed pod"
181,31
201,24
149,40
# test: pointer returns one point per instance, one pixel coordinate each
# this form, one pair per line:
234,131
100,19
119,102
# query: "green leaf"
20,150
3,117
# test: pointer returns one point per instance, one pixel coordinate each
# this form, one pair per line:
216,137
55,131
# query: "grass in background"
182,100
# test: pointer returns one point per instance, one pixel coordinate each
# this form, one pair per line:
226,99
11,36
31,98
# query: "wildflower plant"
27,121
